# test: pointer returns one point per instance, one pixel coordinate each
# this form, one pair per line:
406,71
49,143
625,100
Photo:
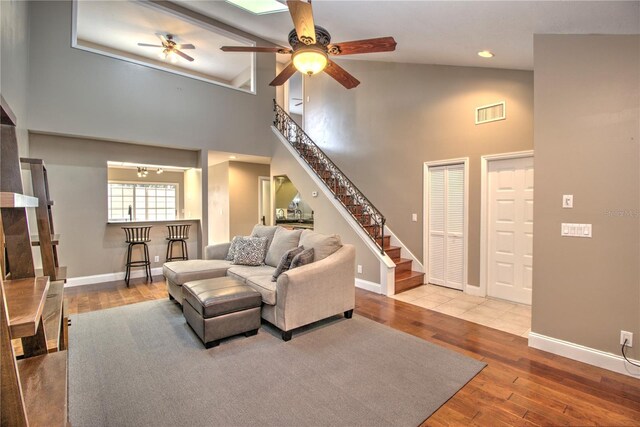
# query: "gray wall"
14,57
243,196
587,128
74,92
403,115
77,172
218,190
327,220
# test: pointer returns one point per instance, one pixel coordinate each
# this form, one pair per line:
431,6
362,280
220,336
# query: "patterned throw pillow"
285,262
251,251
303,258
233,248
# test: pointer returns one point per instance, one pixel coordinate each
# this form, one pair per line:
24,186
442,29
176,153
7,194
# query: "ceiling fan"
311,46
170,48
298,101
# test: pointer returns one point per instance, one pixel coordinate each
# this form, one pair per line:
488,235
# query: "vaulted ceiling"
443,32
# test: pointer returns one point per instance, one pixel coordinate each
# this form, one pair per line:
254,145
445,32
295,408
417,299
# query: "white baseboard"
584,354
108,277
369,286
474,290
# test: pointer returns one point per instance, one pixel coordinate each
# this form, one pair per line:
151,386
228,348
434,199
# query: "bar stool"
137,236
178,233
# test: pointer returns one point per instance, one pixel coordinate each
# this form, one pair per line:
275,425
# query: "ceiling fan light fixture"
310,60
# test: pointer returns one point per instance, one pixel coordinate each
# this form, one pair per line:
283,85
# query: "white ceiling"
120,25
215,157
443,32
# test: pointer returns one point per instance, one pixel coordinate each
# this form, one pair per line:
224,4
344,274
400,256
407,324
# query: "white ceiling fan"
171,49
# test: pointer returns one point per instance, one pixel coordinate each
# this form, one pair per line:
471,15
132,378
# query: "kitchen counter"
296,225
153,222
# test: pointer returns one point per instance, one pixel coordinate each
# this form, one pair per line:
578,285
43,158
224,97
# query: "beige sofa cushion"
283,240
323,244
265,286
181,272
267,231
241,272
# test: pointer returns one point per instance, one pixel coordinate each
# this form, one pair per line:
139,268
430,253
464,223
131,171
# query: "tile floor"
498,314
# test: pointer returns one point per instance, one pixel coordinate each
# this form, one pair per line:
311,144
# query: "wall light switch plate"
576,230
314,194
157,258
359,269
414,217
567,201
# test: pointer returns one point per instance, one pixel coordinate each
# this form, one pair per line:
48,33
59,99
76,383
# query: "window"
142,202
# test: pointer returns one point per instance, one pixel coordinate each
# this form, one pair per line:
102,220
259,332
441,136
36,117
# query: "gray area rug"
141,365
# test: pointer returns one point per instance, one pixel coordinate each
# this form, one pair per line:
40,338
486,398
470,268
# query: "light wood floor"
520,386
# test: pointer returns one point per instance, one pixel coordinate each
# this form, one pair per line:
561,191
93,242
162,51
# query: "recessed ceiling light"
232,157
259,7
485,54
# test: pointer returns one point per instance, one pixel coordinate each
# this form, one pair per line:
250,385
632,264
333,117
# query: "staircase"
368,217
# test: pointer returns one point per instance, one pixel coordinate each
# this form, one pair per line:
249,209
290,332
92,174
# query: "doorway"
264,200
507,209
446,223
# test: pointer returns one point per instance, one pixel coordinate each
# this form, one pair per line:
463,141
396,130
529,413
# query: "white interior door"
510,237
446,225
264,200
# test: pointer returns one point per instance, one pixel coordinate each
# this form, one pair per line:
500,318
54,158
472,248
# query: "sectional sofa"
298,297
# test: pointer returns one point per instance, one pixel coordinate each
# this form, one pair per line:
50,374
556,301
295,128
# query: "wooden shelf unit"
33,390
47,240
25,303
16,200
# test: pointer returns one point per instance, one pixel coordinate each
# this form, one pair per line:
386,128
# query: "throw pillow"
285,262
323,244
303,258
233,248
283,240
251,251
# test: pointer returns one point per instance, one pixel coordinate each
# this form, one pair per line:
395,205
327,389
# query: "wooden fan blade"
380,44
339,73
186,46
284,75
184,55
302,16
149,45
255,49
163,39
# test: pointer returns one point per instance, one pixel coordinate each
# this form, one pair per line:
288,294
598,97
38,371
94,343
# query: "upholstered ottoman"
177,273
221,307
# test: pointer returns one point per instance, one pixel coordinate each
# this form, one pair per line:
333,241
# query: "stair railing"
336,181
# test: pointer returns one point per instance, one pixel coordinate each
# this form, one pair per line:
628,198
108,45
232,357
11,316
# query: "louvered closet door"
446,225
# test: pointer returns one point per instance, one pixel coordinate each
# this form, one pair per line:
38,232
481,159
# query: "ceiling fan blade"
149,45
339,73
163,39
184,55
380,44
255,49
186,46
302,16
284,75
298,104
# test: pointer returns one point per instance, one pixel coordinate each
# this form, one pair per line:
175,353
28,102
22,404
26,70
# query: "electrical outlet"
157,258
359,269
624,335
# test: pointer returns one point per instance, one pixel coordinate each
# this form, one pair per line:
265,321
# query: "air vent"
491,113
